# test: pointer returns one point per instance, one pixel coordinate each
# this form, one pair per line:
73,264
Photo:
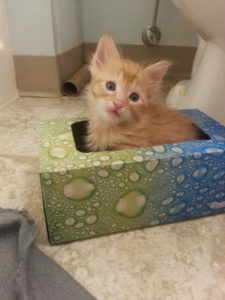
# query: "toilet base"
206,89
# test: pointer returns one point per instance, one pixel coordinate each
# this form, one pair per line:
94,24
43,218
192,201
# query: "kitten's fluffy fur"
117,122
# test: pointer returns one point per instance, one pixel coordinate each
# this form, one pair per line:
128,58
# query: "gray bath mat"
25,272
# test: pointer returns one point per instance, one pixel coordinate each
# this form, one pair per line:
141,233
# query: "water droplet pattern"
92,194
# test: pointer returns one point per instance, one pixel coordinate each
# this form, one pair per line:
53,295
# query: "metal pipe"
155,13
152,35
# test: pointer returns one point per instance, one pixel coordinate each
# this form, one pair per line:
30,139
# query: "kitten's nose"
117,104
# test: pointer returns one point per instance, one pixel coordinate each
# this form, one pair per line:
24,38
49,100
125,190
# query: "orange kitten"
121,114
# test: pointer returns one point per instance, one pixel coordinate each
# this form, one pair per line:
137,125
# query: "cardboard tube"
76,82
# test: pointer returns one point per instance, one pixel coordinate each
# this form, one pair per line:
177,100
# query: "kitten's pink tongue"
113,112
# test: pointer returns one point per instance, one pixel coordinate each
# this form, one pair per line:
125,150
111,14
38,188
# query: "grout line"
2,107
12,155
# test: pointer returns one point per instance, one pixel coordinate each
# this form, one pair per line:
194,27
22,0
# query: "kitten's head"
120,88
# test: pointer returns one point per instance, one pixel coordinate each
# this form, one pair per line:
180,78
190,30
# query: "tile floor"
172,262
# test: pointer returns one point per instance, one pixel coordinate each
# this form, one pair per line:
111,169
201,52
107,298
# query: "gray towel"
25,272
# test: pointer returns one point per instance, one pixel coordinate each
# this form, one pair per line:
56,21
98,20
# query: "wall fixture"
152,35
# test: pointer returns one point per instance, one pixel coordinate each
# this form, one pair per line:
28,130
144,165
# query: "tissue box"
93,194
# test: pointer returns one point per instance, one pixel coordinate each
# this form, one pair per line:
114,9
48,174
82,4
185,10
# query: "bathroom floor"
172,262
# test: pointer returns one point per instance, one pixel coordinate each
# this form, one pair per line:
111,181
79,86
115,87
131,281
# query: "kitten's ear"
157,71
106,50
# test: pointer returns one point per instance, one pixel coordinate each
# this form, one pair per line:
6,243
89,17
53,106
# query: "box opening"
79,130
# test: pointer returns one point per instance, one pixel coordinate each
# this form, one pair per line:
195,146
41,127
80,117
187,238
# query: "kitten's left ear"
106,50
156,72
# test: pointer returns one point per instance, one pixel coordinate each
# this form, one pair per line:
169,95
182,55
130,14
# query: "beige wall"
47,35
51,27
46,40
125,20
67,24
31,27
44,27
8,89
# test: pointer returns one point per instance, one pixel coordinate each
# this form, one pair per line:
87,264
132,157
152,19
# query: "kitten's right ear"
156,72
106,50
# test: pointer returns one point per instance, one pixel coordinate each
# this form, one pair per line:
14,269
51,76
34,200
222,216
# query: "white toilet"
206,89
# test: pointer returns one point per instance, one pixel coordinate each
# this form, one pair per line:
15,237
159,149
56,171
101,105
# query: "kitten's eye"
134,97
111,86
